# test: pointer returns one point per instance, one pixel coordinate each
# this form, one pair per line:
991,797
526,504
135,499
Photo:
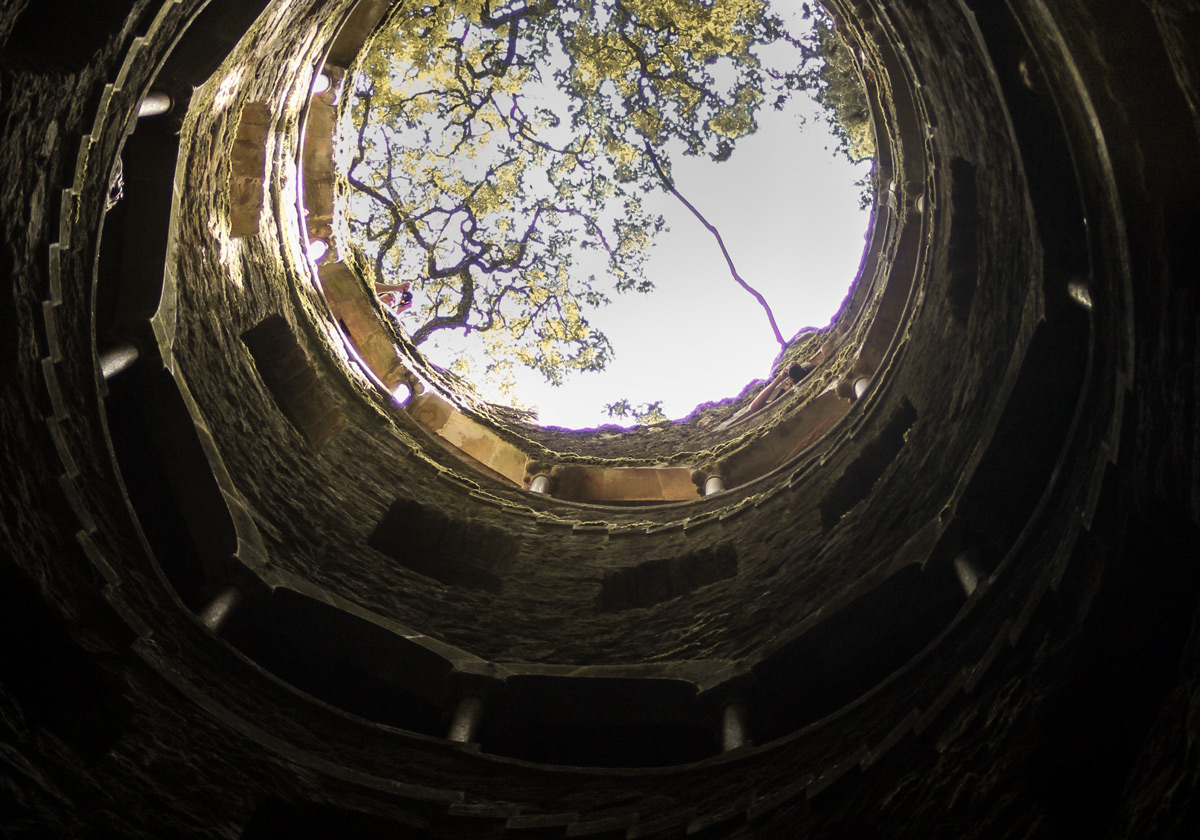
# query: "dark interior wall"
546,611
1059,442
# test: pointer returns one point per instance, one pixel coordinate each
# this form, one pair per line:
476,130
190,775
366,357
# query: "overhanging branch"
669,186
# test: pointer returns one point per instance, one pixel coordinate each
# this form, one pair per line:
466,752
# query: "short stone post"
317,249
734,726
1080,293
155,103
221,607
708,481
117,359
538,476
966,566
464,726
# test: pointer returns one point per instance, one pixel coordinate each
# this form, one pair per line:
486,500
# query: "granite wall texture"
1057,144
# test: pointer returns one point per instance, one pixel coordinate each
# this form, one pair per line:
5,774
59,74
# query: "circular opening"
778,699
617,188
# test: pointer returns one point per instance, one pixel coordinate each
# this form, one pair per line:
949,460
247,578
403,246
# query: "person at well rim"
397,297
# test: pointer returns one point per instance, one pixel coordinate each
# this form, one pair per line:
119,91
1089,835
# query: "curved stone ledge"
996,428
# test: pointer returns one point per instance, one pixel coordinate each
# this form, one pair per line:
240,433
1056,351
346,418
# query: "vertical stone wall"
1056,440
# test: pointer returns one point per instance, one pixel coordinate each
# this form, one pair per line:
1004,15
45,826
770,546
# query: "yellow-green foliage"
842,94
496,155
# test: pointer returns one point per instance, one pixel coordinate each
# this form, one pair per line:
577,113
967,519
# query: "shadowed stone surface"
1053,143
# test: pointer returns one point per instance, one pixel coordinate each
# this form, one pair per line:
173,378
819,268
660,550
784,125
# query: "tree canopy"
497,154
841,94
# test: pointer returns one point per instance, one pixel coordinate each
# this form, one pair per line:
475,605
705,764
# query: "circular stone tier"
273,600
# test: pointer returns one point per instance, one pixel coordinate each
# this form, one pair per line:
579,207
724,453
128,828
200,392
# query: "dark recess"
64,35
274,819
134,245
963,254
211,36
170,484
858,479
1126,663
1014,473
600,745
60,687
293,382
456,552
853,650
655,581
599,722
10,334
344,660
1043,149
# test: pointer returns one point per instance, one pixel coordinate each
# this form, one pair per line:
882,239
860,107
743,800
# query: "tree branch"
458,318
669,186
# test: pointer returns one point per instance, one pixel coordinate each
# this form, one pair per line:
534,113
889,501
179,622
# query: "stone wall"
1036,410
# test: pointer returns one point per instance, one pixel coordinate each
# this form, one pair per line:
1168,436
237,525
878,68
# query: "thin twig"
669,186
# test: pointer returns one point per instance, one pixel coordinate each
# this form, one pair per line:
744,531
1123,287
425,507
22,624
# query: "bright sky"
788,211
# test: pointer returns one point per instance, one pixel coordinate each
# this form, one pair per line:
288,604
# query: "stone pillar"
117,359
217,611
734,728
966,566
538,476
1080,293
708,480
155,103
317,249
464,726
